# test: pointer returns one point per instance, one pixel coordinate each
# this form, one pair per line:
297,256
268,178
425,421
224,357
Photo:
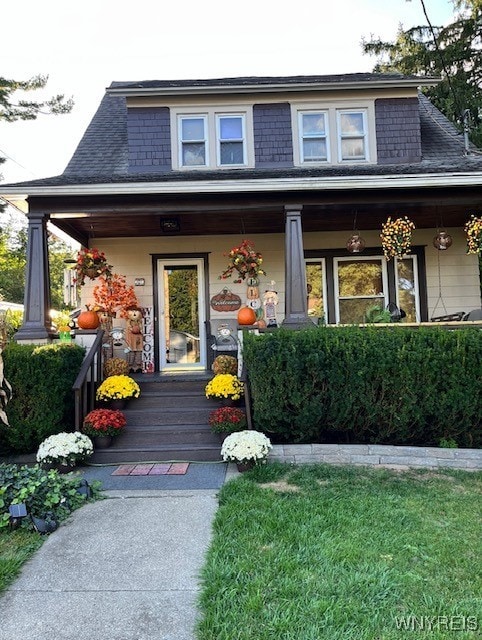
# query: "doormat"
151,469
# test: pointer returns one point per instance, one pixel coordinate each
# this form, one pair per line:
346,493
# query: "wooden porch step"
169,421
167,434
161,453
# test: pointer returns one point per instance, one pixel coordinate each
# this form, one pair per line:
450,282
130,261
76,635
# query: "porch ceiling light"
355,243
442,241
170,225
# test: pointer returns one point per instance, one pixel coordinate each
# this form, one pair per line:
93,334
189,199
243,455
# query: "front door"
182,336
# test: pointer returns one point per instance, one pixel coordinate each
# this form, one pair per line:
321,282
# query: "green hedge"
389,385
42,402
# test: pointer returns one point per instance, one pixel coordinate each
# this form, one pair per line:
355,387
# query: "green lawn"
314,552
15,548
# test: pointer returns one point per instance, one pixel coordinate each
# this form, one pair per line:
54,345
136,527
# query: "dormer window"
193,143
231,140
213,139
351,135
334,134
314,136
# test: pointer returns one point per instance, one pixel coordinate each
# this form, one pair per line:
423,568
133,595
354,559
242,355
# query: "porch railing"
85,385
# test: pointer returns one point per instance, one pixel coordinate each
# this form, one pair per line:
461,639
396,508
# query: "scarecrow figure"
105,320
134,338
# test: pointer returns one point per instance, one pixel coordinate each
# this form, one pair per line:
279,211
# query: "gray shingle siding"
398,131
149,139
273,140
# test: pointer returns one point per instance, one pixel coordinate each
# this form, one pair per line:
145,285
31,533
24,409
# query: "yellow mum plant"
396,237
225,385
473,231
118,388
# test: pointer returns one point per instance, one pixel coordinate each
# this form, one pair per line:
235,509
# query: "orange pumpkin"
246,315
88,320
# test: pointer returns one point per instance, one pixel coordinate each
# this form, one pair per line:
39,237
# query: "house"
171,175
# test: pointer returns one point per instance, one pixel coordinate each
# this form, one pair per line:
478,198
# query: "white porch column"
36,325
296,301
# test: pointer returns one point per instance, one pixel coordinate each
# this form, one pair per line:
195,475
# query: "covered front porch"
302,235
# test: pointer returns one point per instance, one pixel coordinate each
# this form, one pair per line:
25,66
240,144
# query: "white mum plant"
245,446
65,448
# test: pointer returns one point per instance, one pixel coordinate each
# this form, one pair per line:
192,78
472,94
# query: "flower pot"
61,468
118,404
245,466
92,273
64,336
102,442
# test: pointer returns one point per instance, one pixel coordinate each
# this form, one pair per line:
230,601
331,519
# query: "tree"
452,52
12,110
29,109
13,252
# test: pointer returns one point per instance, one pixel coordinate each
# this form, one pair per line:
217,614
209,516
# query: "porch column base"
297,323
33,336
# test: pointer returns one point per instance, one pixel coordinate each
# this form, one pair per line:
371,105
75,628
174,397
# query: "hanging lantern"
442,241
355,243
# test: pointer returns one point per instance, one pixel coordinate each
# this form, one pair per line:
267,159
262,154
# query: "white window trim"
321,261
218,118
332,108
301,138
416,283
185,116
366,157
336,262
212,113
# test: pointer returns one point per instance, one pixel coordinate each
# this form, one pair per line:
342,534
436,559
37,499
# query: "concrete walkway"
123,568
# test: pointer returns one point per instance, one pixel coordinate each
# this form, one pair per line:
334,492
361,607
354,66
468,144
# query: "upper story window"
192,142
213,139
334,134
231,139
314,136
352,135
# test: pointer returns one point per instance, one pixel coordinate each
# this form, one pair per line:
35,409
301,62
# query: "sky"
84,46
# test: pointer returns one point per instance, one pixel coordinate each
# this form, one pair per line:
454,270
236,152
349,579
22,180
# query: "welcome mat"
165,469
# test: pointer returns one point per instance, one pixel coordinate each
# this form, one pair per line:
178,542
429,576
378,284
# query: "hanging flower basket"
396,237
91,263
244,261
473,231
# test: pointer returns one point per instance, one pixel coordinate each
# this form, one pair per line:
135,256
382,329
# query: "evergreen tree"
452,52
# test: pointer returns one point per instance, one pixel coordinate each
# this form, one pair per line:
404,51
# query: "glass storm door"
182,340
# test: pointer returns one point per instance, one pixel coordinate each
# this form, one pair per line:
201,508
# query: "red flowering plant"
245,261
103,422
227,420
91,263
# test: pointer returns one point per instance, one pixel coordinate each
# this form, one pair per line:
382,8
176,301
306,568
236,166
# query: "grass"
16,547
314,552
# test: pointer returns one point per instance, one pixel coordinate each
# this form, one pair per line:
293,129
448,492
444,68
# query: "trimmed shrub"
388,385
42,402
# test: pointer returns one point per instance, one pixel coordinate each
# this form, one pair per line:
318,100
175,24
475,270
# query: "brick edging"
378,455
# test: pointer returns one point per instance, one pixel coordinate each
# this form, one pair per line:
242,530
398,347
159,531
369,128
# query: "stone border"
378,455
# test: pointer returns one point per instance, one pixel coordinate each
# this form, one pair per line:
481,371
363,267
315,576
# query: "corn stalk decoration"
5,393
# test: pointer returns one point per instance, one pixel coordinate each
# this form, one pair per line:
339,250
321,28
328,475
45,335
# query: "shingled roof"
102,156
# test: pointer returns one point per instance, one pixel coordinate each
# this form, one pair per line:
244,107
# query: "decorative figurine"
105,320
134,338
270,300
